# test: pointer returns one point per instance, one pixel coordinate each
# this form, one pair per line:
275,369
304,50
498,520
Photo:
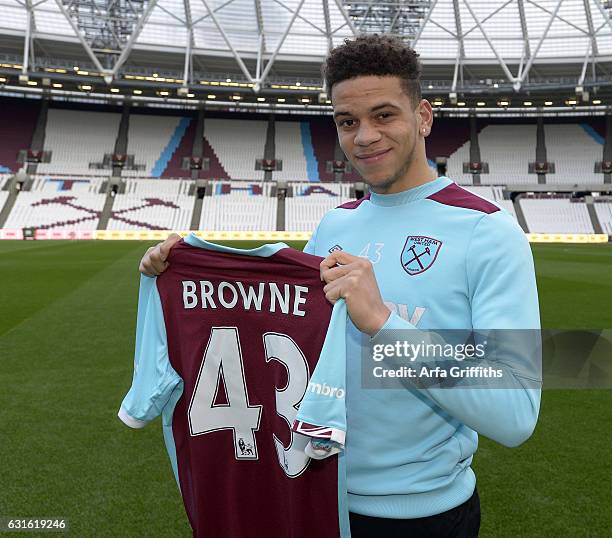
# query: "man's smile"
372,157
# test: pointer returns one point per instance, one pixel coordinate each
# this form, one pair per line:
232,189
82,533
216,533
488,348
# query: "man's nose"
366,134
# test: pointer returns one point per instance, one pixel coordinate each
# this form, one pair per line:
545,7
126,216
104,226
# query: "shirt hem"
415,505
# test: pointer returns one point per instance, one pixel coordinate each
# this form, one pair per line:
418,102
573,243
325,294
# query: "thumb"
164,248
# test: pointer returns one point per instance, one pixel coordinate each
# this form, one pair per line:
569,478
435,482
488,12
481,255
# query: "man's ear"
425,114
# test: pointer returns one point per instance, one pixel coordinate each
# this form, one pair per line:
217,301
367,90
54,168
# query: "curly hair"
377,55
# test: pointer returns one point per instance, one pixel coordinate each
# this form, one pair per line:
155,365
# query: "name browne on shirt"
282,298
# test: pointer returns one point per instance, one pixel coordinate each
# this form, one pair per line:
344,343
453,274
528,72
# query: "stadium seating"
508,205
157,187
508,149
604,215
77,138
153,140
483,192
239,206
309,203
163,204
3,197
556,215
65,194
454,165
291,147
323,135
574,152
237,144
215,170
446,137
183,149
16,129
60,211
67,184
493,194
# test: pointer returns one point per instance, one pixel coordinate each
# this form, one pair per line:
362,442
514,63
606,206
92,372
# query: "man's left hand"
352,278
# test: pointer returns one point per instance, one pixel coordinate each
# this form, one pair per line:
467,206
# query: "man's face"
378,129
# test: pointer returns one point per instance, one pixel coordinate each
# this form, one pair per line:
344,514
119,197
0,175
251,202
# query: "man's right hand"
154,262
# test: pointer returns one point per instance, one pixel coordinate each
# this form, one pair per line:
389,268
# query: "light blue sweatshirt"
443,259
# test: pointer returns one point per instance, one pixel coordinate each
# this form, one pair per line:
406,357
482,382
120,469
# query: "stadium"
122,121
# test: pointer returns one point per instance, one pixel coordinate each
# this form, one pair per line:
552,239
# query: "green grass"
575,285
66,342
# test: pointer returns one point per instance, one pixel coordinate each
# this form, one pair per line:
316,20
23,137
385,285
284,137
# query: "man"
419,252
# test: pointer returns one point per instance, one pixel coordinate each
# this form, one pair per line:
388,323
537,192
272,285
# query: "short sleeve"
322,412
154,378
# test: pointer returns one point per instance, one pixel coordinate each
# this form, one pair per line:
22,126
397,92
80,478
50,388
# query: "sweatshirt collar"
410,195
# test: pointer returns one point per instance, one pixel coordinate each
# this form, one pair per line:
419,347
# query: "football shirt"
227,341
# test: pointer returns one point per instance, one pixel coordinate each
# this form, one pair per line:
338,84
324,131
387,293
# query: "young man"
421,253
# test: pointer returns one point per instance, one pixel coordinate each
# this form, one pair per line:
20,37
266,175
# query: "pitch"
66,348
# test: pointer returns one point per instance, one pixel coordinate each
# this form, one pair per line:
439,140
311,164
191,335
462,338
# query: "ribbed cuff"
393,322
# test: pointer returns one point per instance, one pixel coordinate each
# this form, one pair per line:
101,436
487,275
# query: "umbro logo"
334,248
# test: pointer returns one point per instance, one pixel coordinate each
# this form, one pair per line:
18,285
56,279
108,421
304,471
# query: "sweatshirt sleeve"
309,248
503,296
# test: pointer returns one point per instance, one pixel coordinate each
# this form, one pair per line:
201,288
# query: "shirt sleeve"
309,248
503,296
501,276
154,378
322,412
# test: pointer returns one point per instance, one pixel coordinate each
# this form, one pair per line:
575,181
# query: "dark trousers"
460,522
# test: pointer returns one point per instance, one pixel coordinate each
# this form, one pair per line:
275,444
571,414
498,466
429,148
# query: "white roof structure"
513,39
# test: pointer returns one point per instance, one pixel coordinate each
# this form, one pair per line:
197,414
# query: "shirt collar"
411,195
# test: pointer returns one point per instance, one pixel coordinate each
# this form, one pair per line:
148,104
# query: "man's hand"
352,278
154,262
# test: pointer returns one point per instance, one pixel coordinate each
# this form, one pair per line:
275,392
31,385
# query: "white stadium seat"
153,204
604,215
148,136
556,215
508,149
59,211
237,144
454,165
574,153
67,184
239,210
304,209
494,195
77,138
289,148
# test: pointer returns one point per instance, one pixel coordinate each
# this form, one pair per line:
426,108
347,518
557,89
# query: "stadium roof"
265,40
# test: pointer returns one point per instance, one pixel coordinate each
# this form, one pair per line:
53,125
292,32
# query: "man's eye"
384,115
346,123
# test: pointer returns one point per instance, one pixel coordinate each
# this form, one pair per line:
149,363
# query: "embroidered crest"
419,253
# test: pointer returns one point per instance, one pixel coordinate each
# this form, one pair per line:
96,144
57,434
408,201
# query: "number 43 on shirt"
223,365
